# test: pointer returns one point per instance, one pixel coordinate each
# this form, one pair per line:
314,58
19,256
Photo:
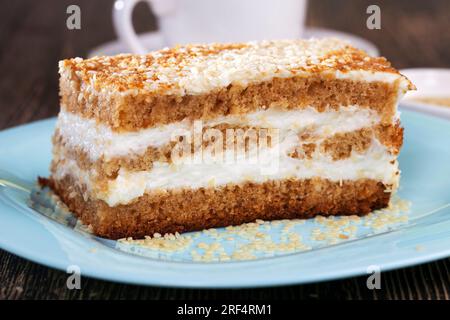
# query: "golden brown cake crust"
135,112
187,210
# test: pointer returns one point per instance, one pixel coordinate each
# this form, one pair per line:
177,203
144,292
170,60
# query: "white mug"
203,21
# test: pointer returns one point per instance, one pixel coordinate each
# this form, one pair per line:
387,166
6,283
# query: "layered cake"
203,136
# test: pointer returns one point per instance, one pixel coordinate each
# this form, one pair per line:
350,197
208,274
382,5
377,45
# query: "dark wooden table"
33,37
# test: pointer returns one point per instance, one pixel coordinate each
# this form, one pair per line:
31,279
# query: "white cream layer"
374,164
98,140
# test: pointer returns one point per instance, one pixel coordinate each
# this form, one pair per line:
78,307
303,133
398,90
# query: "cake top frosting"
197,69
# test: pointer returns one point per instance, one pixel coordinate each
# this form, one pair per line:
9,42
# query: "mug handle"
123,16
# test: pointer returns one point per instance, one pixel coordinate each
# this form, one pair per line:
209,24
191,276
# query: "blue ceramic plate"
55,241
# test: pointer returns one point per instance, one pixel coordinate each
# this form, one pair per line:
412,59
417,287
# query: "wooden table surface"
33,37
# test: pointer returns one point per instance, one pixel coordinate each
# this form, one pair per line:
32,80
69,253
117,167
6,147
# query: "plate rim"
240,282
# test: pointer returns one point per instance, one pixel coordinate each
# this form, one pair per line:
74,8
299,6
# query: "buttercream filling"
98,140
272,164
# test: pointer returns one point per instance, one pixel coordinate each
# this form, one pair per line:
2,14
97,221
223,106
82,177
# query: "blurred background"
34,36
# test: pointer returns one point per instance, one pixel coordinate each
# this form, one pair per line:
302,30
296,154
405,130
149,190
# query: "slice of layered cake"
205,136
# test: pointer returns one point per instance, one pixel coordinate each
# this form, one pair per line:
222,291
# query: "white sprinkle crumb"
257,239
166,243
419,248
